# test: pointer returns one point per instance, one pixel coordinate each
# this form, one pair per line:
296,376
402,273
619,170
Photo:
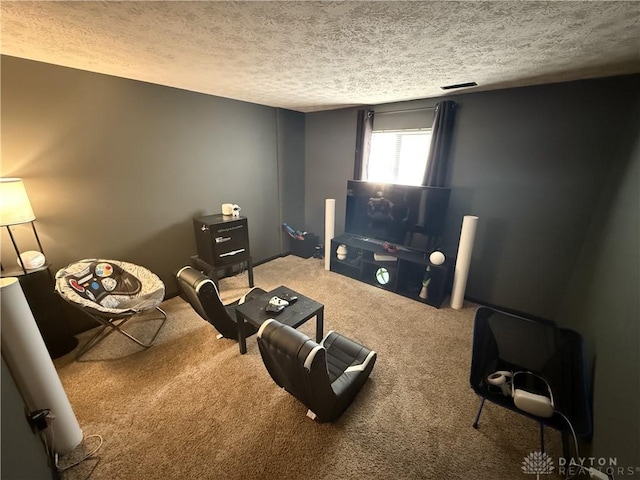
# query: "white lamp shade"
15,207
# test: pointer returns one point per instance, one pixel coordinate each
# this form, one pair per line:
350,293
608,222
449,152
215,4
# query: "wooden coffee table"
294,315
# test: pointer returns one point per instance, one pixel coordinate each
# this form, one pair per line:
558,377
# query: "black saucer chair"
325,377
201,292
507,342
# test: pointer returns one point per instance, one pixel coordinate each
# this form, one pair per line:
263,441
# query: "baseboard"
268,259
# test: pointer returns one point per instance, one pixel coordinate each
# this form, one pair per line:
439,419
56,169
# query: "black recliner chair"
325,377
201,292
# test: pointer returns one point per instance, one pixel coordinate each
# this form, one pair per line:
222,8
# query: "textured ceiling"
310,56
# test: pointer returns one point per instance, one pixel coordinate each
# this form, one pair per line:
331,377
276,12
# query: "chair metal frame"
115,324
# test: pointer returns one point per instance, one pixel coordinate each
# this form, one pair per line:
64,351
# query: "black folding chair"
506,342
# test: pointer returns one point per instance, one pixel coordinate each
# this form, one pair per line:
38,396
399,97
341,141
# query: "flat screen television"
400,214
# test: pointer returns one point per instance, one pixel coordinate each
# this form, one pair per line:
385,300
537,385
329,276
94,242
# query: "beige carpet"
193,407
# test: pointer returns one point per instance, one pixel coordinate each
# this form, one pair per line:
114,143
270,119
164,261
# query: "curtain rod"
403,111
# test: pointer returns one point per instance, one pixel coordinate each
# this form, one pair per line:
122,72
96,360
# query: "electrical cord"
580,468
48,451
55,457
88,455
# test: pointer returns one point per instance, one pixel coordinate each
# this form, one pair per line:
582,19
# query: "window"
397,156
394,146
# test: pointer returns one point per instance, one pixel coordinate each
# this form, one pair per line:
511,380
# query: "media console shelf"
401,272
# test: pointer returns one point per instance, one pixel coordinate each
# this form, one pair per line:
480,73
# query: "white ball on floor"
437,258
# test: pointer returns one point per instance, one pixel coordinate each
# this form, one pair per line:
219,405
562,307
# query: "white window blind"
398,156
399,147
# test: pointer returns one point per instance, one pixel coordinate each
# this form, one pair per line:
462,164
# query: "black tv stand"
401,271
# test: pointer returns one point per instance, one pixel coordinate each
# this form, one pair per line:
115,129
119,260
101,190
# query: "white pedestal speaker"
463,261
26,355
329,229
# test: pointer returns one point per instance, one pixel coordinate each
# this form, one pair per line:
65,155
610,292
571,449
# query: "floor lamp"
15,209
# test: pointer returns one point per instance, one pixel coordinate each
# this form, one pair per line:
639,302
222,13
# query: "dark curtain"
363,141
441,133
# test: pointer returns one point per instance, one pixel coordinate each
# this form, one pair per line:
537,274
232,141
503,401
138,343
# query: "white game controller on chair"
502,379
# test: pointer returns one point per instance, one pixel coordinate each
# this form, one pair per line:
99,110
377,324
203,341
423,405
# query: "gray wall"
117,168
602,303
291,168
530,163
330,149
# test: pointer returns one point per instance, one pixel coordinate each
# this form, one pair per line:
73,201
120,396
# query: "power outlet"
595,473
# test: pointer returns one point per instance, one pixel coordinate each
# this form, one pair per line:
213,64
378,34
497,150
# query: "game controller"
288,298
502,379
275,305
98,280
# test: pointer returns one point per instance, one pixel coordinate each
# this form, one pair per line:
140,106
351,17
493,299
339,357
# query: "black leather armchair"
325,377
201,292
